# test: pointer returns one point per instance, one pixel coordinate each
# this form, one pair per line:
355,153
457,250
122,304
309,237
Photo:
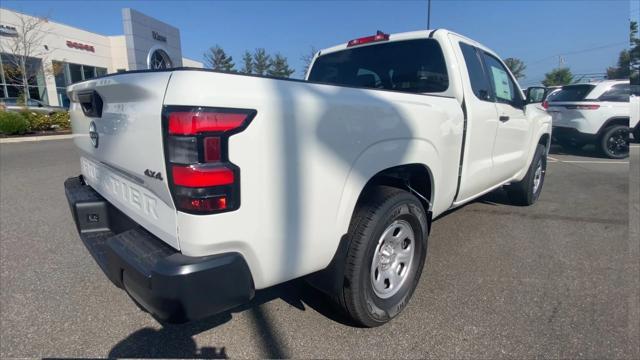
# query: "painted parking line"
552,159
593,162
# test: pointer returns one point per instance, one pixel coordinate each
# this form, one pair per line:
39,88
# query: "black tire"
522,192
378,210
614,142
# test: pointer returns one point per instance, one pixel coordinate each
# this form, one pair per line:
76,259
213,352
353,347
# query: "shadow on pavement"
171,341
584,151
496,197
176,340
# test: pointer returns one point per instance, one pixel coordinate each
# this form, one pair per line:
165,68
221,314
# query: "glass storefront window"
63,99
59,73
88,72
63,73
13,91
75,72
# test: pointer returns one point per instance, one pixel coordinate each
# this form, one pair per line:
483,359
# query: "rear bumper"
569,134
171,286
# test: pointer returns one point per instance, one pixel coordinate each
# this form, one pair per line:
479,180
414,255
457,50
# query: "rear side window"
415,66
479,80
572,93
617,93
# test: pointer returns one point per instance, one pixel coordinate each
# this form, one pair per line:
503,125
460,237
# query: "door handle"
504,118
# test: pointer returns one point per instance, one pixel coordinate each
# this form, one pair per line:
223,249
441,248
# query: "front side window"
617,93
479,80
504,87
415,66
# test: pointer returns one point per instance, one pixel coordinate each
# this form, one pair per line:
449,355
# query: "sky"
587,35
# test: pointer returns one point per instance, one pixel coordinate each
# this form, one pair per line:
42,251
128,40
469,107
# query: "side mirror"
535,94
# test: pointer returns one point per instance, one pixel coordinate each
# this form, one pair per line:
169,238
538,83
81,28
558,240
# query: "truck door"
481,124
512,134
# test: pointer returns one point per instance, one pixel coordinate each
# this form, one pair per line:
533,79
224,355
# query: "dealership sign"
80,46
6,30
158,36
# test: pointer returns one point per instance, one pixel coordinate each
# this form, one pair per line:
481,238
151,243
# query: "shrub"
36,121
61,120
13,123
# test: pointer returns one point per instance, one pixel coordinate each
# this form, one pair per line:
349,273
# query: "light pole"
428,14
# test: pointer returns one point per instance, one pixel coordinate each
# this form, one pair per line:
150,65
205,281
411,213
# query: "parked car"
199,187
37,106
596,113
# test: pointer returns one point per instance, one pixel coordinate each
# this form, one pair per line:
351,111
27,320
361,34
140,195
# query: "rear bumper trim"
171,286
562,133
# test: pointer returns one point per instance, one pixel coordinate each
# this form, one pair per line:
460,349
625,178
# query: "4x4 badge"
153,174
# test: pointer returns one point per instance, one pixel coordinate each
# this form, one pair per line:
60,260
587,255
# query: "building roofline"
49,20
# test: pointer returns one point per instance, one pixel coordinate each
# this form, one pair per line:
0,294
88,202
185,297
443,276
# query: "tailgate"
564,113
117,125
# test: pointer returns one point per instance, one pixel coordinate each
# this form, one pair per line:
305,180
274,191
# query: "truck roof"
410,35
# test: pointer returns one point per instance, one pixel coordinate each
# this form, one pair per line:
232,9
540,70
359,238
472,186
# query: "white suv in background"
595,113
634,116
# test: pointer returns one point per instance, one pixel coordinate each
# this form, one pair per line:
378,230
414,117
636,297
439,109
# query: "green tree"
558,76
261,62
623,70
516,66
308,58
19,53
634,53
216,59
279,67
247,63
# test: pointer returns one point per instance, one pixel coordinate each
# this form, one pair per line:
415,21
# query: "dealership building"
62,54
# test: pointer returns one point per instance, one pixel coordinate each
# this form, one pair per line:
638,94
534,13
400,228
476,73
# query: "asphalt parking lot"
559,279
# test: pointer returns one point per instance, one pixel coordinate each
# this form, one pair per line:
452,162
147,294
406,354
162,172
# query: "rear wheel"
615,142
527,191
386,255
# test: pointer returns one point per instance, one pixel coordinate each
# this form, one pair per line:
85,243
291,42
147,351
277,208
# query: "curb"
35,138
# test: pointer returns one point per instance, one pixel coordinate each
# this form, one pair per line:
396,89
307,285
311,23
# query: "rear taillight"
587,107
582,107
379,36
545,104
201,177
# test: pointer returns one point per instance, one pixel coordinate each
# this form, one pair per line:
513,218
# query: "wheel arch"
616,120
416,178
545,140
386,161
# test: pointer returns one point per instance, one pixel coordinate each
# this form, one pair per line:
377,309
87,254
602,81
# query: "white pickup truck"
199,187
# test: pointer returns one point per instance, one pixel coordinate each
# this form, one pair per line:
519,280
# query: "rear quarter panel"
304,160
